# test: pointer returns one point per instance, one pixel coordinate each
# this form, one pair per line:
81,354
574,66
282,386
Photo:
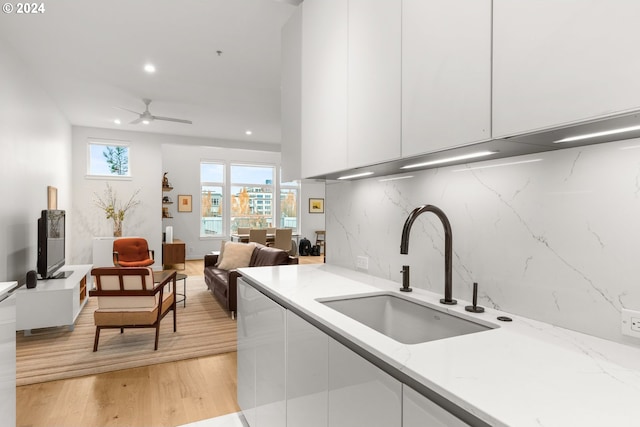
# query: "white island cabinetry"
261,358
418,411
291,373
7,354
360,393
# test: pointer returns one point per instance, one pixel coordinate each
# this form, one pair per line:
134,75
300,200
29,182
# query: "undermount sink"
403,320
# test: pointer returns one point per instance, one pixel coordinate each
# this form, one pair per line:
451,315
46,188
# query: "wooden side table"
174,253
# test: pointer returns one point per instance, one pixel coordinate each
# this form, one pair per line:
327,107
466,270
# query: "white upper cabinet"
374,81
291,97
559,62
446,74
324,86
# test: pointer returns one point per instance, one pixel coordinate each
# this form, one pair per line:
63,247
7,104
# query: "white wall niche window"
290,206
108,159
212,196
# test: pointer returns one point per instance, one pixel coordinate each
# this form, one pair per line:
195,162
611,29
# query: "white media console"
54,302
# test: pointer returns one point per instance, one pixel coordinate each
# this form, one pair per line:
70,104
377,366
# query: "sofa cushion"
236,255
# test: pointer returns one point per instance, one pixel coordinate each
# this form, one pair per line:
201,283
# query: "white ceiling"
89,56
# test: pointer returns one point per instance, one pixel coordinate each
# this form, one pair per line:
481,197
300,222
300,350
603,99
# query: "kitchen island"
518,373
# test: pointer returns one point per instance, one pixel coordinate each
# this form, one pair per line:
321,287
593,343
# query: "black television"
51,241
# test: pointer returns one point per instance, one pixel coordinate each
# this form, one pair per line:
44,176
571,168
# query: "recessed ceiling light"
248,132
117,121
150,68
145,122
597,134
451,159
357,175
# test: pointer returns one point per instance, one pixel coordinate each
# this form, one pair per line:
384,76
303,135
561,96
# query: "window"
108,159
252,196
212,197
289,205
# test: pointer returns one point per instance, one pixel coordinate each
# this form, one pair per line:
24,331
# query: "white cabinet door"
246,354
291,97
324,86
446,74
307,373
361,394
557,62
261,358
374,84
8,359
418,411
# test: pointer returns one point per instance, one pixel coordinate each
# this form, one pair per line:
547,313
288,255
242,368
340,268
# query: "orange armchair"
132,252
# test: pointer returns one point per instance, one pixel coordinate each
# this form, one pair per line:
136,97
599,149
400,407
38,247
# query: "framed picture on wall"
184,203
316,205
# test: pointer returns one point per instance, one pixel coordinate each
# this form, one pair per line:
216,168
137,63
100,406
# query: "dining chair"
283,239
258,235
320,241
244,232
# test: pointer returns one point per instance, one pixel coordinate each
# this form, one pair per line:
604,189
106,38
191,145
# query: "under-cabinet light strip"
496,166
597,134
357,175
396,178
451,159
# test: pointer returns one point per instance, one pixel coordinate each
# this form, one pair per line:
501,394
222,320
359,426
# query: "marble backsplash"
552,236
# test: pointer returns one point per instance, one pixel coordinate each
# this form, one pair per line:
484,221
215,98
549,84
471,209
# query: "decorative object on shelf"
166,199
166,185
184,203
115,210
52,198
165,213
316,205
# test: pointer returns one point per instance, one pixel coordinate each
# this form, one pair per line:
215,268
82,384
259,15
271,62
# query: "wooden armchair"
128,298
132,252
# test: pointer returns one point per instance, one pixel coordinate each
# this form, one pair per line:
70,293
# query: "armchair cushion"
132,252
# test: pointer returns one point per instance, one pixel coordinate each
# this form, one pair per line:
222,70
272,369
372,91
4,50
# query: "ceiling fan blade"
136,121
126,109
169,119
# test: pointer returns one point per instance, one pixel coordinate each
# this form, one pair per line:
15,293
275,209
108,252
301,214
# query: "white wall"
556,240
145,162
36,147
311,221
183,166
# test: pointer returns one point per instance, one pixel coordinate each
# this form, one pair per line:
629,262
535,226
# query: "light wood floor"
168,394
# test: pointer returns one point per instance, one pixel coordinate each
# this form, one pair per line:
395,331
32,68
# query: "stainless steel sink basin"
402,319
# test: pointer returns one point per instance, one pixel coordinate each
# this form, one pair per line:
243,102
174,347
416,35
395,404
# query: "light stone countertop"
523,373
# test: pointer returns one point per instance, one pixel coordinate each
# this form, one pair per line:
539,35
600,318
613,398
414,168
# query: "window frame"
274,188
91,142
225,196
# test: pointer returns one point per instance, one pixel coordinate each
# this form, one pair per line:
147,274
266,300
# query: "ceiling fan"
146,117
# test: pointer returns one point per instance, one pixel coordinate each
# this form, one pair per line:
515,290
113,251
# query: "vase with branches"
115,210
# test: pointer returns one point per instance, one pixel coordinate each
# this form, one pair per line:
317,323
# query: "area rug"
204,329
